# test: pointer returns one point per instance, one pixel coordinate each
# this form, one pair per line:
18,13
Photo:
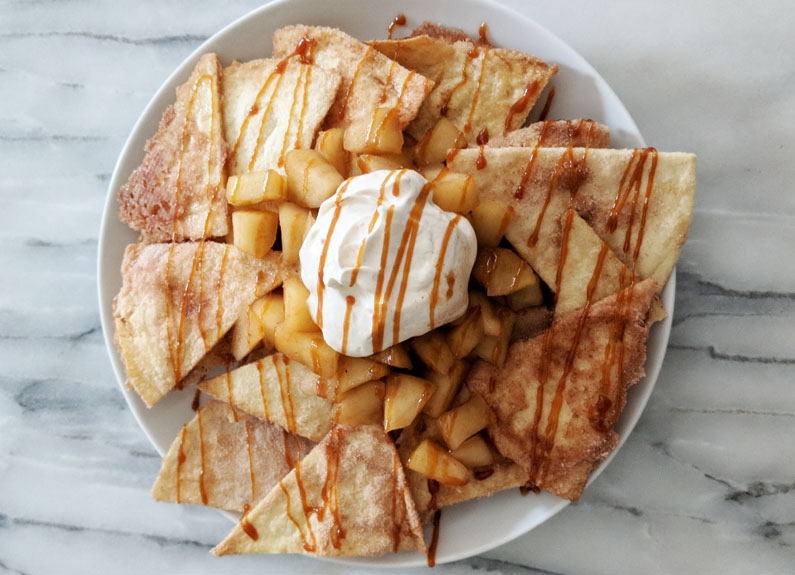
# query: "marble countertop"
705,484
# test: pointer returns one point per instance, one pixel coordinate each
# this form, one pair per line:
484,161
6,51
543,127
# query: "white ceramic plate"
468,528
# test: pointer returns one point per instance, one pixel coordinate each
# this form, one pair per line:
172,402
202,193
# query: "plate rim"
661,329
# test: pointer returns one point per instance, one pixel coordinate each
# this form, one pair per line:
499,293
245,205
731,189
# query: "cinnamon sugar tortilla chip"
349,496
561,458
269,111
475,87
556,134
600,184
271,389
177,301
503,474
182,173
369,79
233,458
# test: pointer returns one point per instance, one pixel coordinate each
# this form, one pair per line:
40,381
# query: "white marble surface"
706,484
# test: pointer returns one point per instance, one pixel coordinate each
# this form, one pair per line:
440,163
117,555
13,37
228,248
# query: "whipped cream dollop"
383,263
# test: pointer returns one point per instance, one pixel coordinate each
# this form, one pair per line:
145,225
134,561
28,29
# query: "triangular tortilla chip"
501,475
556,134
369,79
182,174
605,179
177,301
475,87
233,459
560,439
271,389
349,496
269,111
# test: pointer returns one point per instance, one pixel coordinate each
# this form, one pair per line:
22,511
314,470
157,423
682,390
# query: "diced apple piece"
255,187
311,179
294,222
355,371
366,163
464,421
307,348
362,405
379,134
530,296
437,142
454,192
494,348
502,272
446,387
490,220
474,452
330,144
254,231
434,351
406,395
296,313
247,332
492,324
433,461
464,337
395,356
269,311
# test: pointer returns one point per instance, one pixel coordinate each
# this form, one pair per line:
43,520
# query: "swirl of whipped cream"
383,263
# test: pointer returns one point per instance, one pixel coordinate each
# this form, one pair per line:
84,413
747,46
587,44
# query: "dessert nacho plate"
475,526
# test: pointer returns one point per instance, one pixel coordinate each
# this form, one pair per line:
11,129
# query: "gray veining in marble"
706,483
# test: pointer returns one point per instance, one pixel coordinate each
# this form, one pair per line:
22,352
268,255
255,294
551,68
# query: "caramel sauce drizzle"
250,463
285,392
308,547
528,169
180,460
246,525
262,390
440,266
202,489
566,158
406,248
434,538
349,301
520,105
304,73
344,109
329,491
482,140
547,105
378,300
450,284
321,284
194,405
279,72
373,220
471,55
400,20
468,125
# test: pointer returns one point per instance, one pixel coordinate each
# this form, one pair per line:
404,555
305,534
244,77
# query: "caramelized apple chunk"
433,461
406,395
